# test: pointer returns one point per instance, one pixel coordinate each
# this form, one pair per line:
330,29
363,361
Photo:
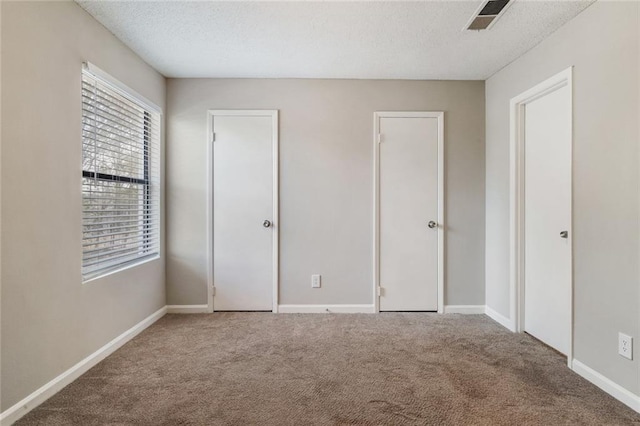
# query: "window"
120,176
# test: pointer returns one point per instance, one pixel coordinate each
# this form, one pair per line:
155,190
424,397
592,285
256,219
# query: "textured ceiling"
381,39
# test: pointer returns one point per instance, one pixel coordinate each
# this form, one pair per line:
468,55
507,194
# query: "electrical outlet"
625,345
315,281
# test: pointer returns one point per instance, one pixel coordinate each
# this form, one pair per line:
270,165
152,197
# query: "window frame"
151,218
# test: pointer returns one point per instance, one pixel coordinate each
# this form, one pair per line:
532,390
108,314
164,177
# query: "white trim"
376,211
120,87
638,259
441,224
464,309
21,408
500,319
516,178
376,198
187,309
276,194
209,227
609,386
325,309
275,125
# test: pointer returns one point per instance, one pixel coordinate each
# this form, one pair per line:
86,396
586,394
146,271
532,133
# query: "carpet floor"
331,369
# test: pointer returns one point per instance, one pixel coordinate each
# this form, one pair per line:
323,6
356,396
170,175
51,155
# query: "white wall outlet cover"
625,345
315,281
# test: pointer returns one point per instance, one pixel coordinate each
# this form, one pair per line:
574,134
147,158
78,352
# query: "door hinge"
379,291
213,137
379,138
213,291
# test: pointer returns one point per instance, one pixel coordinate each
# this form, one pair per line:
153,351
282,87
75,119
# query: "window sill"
119,268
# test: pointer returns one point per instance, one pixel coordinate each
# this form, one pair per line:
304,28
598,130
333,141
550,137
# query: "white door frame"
377,139
517,108
276,191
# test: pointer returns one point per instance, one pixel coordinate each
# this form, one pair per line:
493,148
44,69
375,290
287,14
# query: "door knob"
432,224
266,224
564,234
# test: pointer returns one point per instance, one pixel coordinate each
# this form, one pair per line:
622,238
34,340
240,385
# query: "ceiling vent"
487,14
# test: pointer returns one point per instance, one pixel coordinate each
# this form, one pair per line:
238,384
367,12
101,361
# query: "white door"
408,201
547,215
243,211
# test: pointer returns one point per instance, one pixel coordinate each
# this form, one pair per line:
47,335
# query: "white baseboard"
323,309
500,319
464,309
187,309
615,390
17,411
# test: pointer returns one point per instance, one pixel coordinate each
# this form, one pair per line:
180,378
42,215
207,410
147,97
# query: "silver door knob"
432,224
266,224
564,234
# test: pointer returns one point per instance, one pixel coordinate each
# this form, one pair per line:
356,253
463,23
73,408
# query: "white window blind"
120,177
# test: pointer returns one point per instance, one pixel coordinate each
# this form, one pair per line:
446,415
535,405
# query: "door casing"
517,187
439,115
276,190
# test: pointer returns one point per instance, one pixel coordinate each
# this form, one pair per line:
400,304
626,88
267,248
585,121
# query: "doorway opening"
541,213
408,211
242,210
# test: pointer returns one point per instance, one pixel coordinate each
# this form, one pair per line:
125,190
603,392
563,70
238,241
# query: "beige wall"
326,190
50,320
602,45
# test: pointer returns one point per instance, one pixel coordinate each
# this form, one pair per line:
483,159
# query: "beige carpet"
328,369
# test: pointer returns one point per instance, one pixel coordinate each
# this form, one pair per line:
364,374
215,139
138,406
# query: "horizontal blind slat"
107,257
92,208
118,223
89,236
109,193
105,267
120,243
110,253
130,233
105,130
92,114
94,103
106,90
143,231
89,94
